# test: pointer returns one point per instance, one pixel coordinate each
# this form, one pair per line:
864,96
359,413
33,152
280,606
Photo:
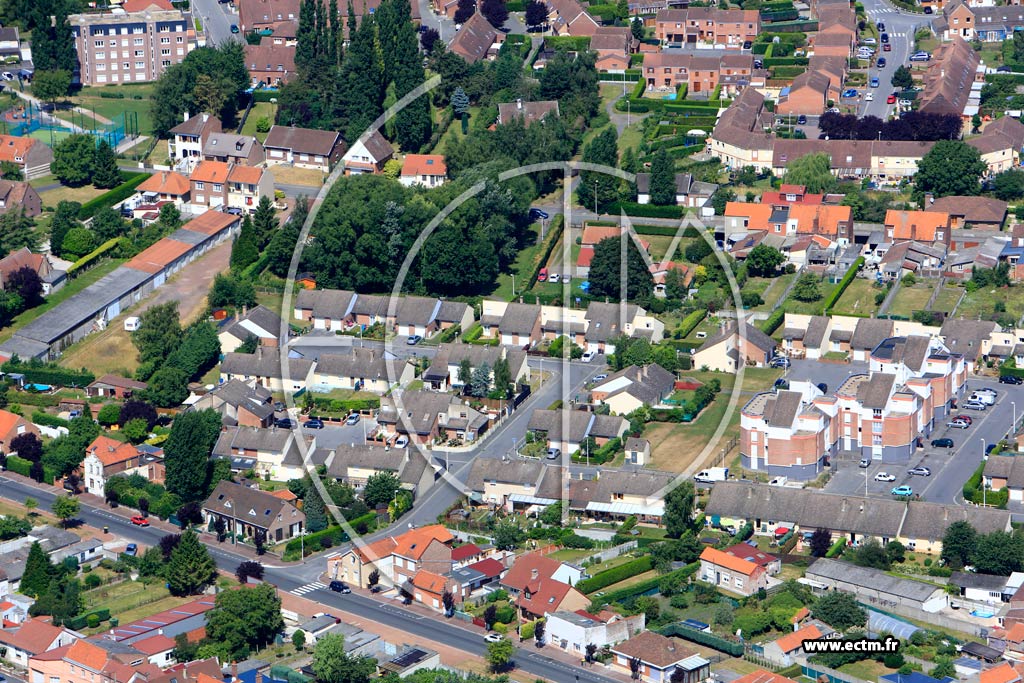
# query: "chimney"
843,509
519,103
913,231
534,574
234,665
185,116
259,676
206,117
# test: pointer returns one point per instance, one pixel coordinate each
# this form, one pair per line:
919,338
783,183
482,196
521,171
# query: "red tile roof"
210,172
159,256
429,581
654,649
211,222
33,636
543,596
730,562
762,676
521,572
154,644
111,451
489,567
424,164
249,175
165,182
464,552
792,641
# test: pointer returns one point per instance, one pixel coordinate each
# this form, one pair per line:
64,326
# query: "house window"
876,439
163,41
200,185
876,427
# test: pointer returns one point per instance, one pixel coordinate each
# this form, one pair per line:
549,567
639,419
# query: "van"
983,397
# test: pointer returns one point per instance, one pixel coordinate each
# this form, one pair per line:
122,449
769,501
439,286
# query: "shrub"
92,621
118,194
47,420
691,321
772,322
93,581
616,574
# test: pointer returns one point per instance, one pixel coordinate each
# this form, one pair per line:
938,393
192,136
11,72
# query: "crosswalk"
308,588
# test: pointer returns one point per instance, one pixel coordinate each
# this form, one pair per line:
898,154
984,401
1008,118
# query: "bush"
47,420
833,297
691,321
92,621
37,372
93,581
772,322
641,587
118,194
648,210
616,574
837,548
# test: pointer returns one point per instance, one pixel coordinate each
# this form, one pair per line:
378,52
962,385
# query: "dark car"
928,10
747,44
823,387
881,26
376,588
885,37
942,443
881,62
339,587
802,120
285,423
1010,379
234,28
758,64
991,447
781,383
536,214
279,405
313,424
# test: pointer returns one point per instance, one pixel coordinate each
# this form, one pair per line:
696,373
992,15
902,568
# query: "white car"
494,638
870,97
884,476
588,356
402,441
554,278
869,41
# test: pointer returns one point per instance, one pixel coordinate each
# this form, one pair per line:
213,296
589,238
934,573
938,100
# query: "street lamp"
595,196
1013,427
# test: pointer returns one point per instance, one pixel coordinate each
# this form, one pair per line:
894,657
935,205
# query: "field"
50,136
131,600
110,108
289,175
981,303
910,299
947,299
57,194
858,299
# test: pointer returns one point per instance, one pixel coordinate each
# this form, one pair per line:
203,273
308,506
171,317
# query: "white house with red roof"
750,553
731,573
31,638
427,170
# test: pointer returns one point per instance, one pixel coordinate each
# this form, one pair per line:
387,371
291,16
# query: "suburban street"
216,19
900,25
292,578
950,467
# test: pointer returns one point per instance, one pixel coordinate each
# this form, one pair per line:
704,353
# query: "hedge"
23,467
349,405
312,541
82,620
26,398
52,374
708,639
1009,367
772,322
851,273
691,321
47,420
553,239
616,574
516,5
664,230
770,62
118,194
645,210
572,43
94,255
837,548
641,587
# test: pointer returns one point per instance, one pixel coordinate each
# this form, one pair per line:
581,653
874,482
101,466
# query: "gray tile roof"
255,320
606,320
252,506
304,140
519,318
930,520
815,334
266,362
362,363
451,311
523,471
420,411
379,148
876,391
474,39
417,310
870,332
965,336
581,424
409,465
836,570
781,410
237,393
911,351
229,144
269,440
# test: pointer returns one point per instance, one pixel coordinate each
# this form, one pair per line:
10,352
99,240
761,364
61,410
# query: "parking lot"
950,467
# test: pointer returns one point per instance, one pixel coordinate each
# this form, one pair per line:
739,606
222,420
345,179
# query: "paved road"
297,190
900,25
293,578
216,19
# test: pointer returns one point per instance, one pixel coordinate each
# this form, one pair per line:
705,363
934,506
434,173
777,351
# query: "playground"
28,119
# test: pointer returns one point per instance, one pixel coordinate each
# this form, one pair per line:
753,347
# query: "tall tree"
159,332
313,507
190,568
663,179
187,450
951,167
64,218
606,271
65,508
764,261
73,159
38,572
332,663
363,78
286,239
245,251
602,150
413,125
105,173
813,171
536,13
264,222
495,12
679,509
246,619
380,489
17,230
464,10
50,86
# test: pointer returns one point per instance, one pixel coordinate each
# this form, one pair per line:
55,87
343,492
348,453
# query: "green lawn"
982,303
522,267
858,299
108,107
811,307
74,287
659,246
910,299
947,299
259,110
454,131
776,286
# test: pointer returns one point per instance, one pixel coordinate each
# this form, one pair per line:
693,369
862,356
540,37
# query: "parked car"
902,491
747,44
554,453
975,405
601,377
874,83
885,476
1010,379
313,424
285,423
885,37
801,120
987,390
279,406
352,419
554,278
920,57
887,47
758,64
957,424
535,214
881,62
891,99
234,28
880,26
850,92
920,471
588,356
864,463
942,443
542,276
782,383
869,41
413,339
402,441
339,587
131,550
966,418
928,10
869,97
982,397
822,387
494,637
779,362
139,520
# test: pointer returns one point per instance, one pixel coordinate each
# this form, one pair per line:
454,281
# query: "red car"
139,520
891,99
965,418
887,47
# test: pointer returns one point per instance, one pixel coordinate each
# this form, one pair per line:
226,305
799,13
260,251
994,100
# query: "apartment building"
729,28
884,414
129,47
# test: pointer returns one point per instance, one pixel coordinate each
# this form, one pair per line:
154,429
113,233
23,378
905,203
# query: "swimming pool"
39,387
982,614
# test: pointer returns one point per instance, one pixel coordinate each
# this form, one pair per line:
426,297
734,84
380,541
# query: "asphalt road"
900,25
290,578
216,19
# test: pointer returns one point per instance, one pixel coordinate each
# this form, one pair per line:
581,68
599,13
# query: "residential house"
185,146
568,18
953,69
669,70
248,511
782,650
446,370
114,386
613,45
810,341
731,573
529,568
245,403
162,187
659,657
354,464
20,195
567,429
362,369
516,324
267,14
368,154
12,426
873,586
618,494
742,136
395,558
31,638
476,40
515,484
28,154
770,563
247,185
919,226
727,350
98,59
529,112
271,64
104,458
788,220
259,322
1004,472
427,170
975,21
208,186
605,321
303,147
809,94
638,451
243,150
1000,144
574,631
971,212
633,387
269,368
708,25
265,450
423,416
540,596
23,258
689,192
428,589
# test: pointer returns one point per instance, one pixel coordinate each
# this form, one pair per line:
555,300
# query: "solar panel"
409,658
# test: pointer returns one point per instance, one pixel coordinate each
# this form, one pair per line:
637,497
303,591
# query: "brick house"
397,559
303,147
30,155
21,195
12,426
271,63
658,657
